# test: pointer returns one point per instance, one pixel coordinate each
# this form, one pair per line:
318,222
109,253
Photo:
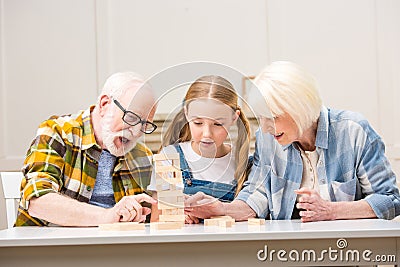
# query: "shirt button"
311,170
88,188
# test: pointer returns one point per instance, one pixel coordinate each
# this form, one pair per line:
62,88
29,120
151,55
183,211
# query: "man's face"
119,137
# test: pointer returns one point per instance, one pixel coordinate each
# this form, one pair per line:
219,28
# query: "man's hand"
128,209
315,208
203,206
190,219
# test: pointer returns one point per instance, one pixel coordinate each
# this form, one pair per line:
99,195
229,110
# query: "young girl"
198,133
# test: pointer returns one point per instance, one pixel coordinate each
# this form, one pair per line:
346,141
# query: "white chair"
10,182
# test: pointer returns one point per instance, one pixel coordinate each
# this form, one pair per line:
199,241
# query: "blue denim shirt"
352,164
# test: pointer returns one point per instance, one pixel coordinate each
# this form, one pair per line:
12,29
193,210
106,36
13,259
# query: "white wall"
47,66
56,54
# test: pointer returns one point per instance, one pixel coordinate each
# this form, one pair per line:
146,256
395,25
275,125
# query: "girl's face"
209,123
283,128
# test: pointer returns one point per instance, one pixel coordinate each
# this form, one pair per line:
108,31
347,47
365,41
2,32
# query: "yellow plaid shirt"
64,158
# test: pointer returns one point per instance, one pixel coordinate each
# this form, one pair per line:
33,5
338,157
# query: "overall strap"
186,172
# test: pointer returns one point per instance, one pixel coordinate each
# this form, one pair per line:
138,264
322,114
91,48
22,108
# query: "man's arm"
65,211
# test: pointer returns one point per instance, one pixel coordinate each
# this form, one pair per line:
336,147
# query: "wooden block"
226,217
169,180
173,212
211,222
166,225
167,168
226,223
255,221
162,206
122,226
164,156
159,187
171,218
172,187
170,193
170,200
221,222
160,181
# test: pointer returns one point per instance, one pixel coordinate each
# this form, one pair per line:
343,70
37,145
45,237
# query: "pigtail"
177,131
242,150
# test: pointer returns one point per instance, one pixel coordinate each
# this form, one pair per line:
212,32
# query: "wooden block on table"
226,223
255,221
222,222
211,222
164,156
225,217
171,218
122,226
166,225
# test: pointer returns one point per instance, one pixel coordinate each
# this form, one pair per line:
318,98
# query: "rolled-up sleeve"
378,181
43,165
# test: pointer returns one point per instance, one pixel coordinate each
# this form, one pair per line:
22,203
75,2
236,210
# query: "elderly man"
87,169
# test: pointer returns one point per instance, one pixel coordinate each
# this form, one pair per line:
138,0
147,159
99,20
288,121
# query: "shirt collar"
88,138
322,129
321,139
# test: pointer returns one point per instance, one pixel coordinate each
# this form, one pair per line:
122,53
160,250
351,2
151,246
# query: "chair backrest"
10,182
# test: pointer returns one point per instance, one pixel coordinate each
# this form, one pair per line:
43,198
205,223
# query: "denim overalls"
222,191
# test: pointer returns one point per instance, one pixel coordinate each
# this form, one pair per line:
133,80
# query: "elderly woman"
311,162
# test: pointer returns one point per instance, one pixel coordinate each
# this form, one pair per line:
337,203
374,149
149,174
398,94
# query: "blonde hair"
218,88
288,88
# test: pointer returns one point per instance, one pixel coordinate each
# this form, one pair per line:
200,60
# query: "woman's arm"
204,206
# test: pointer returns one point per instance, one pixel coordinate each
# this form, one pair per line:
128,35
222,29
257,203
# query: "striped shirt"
352,165
64,157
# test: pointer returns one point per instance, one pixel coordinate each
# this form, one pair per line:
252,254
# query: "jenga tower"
170,198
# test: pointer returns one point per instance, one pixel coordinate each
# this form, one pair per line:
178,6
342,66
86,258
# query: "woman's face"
282,127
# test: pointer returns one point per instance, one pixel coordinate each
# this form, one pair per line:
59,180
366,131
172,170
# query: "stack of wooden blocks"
169,192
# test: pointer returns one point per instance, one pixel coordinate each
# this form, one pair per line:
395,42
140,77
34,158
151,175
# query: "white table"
280,243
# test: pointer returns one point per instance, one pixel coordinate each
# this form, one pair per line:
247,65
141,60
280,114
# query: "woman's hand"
315,207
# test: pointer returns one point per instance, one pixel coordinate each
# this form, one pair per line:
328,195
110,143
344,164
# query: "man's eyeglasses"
133,119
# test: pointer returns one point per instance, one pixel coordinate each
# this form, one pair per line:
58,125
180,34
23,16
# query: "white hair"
288,88
117,84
